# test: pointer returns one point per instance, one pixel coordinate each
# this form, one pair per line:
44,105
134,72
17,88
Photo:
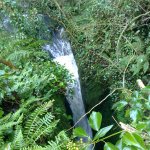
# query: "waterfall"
61,52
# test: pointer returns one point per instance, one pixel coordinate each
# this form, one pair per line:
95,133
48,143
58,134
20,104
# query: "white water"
61,52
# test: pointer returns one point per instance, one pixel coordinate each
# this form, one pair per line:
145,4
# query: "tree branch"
7,63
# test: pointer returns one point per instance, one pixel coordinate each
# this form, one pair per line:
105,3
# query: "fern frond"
33,148
39,123
11,117
10,124
60,142
44,130
1,139
17,116
34,117
7,146
7,126
10,120
30,101
5,118
53,145
18,55
18,141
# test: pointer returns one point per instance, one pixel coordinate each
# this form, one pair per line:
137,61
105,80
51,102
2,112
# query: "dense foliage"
29,83
110,39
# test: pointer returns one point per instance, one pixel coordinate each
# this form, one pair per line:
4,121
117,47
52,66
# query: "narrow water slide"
61,52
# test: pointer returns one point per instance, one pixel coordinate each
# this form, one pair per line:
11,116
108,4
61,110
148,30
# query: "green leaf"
129,148
1,112
102,132
2,72
120,144
141,125
109,146
95,120
120,105
79,132
136,94
148,50
135,115
133,139
146,90
145,66
141,58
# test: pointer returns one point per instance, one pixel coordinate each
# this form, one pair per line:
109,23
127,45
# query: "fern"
10,120
18,141
39,123
1,139
8,125
60,142
17,115
5,119
45,127
16,56
35,80
36,147
34,117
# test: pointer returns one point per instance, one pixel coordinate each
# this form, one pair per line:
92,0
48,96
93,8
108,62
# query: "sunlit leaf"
109,146
102,132
145,66
95,120
79,132
133,139
135,115
141,125
120,105
120,144
2,72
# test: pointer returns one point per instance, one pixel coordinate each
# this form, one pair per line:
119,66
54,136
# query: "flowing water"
61,52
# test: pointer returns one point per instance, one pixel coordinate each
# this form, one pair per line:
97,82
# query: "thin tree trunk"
7,63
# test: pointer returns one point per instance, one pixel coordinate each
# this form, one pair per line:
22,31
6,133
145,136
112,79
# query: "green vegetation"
111,43
28,114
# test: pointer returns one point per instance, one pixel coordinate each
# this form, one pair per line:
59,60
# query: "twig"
57,4
93,108
116,121
108,136
127,127
139,5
